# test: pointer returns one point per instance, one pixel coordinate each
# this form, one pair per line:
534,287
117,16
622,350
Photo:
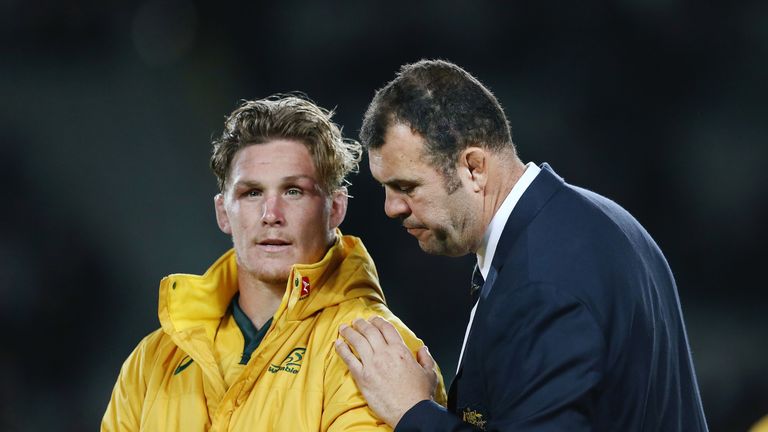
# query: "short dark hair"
288,116
444,104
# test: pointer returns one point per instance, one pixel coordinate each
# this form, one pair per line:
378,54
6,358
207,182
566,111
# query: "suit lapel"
541,190
543,187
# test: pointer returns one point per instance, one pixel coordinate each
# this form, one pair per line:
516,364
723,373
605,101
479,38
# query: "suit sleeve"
124,410
541,354
427,416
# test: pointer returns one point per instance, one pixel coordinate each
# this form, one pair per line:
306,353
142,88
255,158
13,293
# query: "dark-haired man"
576,324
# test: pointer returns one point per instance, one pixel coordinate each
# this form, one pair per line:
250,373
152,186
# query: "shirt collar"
251,335
493,233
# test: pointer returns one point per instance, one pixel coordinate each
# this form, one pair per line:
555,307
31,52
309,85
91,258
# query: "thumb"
425,359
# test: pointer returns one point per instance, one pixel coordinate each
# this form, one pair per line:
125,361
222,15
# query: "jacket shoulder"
156,345
127,401
366,308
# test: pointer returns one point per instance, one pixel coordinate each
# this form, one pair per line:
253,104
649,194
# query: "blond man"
249,344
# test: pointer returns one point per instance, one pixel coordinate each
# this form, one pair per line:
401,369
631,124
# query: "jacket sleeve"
344,407
427,416
124,410
541,360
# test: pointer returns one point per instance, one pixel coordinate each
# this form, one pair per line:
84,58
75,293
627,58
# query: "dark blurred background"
108,108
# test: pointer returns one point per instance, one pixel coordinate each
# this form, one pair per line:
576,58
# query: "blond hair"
288,116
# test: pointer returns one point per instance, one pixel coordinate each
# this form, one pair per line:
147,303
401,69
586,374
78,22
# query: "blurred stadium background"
108,107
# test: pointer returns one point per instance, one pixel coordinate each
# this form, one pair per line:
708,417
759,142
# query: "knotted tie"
477,284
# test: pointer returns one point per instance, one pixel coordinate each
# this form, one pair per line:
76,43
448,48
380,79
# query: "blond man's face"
274,208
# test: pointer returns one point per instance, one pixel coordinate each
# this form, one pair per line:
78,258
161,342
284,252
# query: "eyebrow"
298,177
396,183
288,179
397,180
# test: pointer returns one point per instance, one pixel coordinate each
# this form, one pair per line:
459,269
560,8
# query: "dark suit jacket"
578,327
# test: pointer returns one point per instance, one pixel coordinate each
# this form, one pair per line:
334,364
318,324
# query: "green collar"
251,334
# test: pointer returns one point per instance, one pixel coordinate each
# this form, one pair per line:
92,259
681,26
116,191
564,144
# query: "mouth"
273,245
415,230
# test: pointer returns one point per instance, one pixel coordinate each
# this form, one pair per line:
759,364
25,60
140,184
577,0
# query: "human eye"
406,188
252,193
294,192
400,187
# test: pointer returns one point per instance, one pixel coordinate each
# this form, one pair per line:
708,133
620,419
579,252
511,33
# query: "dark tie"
477,284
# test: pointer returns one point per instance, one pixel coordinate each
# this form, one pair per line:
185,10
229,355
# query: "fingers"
428,365
353,364
356,340
366,337
388,331
425,358
372,333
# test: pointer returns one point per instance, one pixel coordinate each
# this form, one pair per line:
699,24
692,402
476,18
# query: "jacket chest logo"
474,418
291,363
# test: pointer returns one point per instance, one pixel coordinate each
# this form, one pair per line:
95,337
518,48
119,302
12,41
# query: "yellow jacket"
760,426
294,380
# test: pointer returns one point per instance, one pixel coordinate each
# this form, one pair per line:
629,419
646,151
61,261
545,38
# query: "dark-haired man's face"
443,223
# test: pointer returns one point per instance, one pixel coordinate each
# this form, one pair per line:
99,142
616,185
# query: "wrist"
405,408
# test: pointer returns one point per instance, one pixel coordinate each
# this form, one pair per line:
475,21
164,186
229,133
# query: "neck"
258,299
505,173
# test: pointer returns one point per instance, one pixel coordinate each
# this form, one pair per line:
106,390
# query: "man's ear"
339,200
221,214
473,163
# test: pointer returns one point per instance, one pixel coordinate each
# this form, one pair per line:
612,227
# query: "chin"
443,249
273,273
431,248
275,277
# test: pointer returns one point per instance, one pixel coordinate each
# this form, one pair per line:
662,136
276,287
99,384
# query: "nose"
273,212
394,205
